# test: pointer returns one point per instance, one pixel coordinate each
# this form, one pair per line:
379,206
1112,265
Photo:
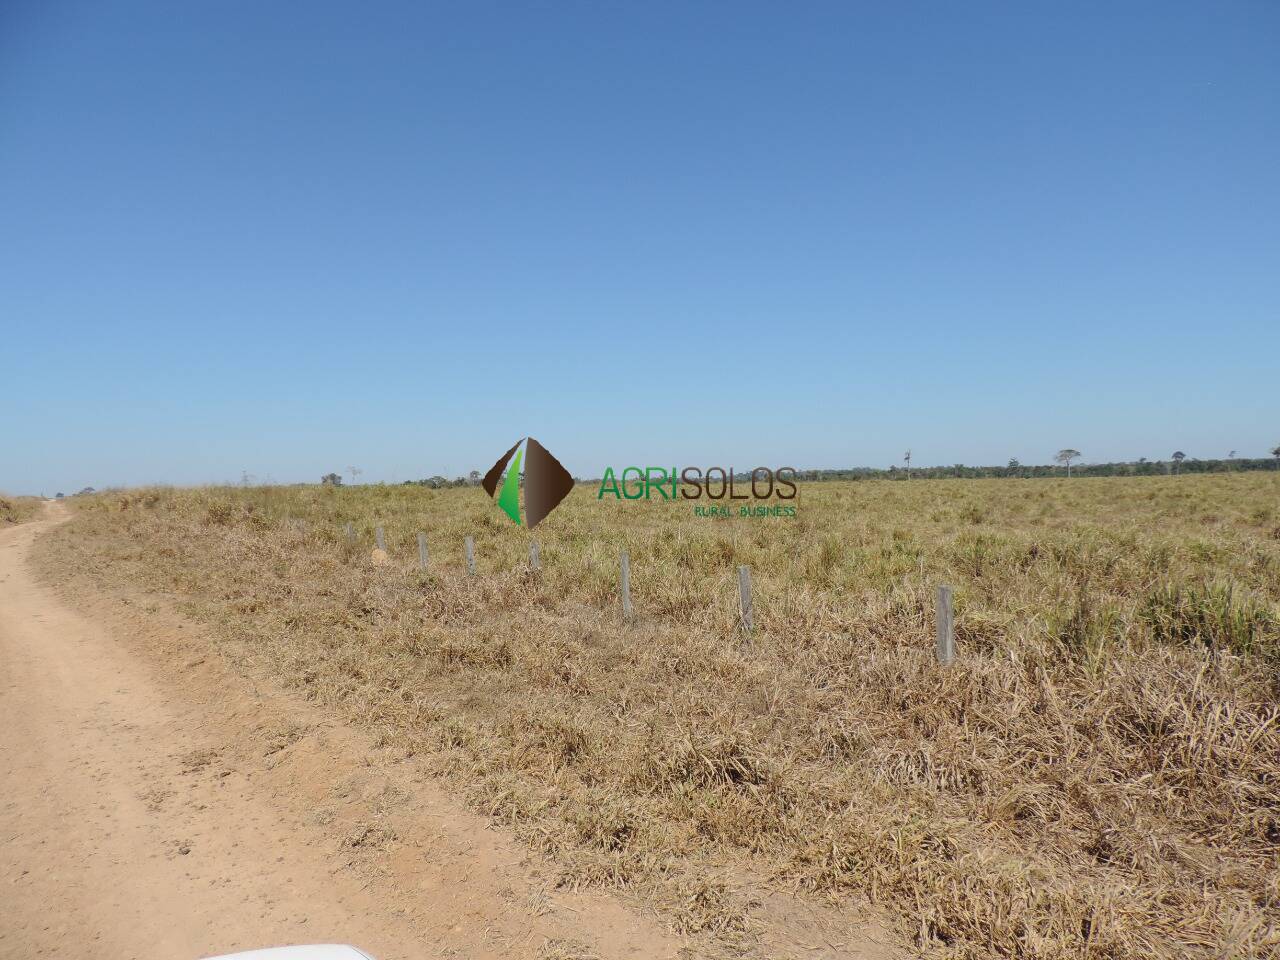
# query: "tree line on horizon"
1063,464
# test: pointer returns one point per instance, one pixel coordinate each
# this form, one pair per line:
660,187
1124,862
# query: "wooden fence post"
422,550
626,585
470,545
381,538
744,597
946,627
535,558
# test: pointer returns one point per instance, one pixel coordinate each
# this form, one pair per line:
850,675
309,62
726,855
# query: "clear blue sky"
286,238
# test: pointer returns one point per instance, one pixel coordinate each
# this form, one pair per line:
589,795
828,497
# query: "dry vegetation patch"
19,509
1095,777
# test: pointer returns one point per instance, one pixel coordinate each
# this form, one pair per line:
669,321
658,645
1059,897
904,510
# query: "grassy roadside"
19,509
1098,775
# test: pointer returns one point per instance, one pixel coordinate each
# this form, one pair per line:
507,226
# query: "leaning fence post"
381,538
626,585
422,550
351,533
470,545
946,627
744,597
535,559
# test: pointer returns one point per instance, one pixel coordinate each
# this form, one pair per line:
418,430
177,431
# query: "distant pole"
381,538
744,597
626,585
422,550
351,533
535,559
946,627
470,546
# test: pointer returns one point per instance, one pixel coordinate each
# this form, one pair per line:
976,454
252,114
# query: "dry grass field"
18,509
1097,776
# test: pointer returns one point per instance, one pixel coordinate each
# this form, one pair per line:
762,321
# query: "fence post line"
744,597
625,562
535,558
351,533
422,550
946,627
381,538
470,546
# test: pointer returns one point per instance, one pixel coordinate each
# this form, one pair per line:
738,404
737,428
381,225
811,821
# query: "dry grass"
18,509
1096,777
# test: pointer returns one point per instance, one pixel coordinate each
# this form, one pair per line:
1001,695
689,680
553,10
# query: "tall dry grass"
18,509
1096,777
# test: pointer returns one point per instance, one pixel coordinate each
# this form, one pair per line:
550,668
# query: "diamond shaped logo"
546,482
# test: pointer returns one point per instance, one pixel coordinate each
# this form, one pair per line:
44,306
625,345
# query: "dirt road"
154,804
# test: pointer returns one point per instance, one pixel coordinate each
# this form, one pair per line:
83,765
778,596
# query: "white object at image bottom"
317,951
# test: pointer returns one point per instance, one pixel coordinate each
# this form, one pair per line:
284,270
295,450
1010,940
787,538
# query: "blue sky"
284,239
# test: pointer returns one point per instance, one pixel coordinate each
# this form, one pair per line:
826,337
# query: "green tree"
331,480
1178,457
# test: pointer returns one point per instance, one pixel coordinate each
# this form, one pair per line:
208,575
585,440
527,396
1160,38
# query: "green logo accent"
546,482
509,499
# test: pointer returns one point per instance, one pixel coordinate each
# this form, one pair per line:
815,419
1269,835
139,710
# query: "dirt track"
153,804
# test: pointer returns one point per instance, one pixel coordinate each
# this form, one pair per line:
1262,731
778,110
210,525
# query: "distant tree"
355,472
58,496
331,480
907,459
1178,457
474,477
1065,456
1275,452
